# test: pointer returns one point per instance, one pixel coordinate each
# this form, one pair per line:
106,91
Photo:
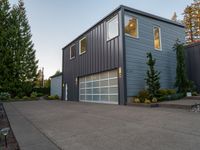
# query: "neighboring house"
107,63
193,63
56,85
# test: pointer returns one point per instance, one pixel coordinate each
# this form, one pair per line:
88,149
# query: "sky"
55,23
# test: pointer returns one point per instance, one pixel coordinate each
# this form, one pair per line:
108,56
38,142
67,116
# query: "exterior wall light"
120,72
76,80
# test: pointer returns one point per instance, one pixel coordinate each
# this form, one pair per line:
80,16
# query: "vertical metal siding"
193,63
101,55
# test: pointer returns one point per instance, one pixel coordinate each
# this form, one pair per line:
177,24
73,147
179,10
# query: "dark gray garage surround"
45,125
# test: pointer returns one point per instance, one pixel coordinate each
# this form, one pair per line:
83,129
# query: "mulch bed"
11,140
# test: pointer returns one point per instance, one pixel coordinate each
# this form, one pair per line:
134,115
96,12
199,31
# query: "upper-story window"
131,26
82,45
73,51
112,28
157,38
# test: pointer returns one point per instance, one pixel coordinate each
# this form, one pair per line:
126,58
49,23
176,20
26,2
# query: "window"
157,38
73,51
82,45
112,28
131,26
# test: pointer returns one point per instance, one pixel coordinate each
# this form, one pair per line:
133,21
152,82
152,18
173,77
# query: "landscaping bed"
11,140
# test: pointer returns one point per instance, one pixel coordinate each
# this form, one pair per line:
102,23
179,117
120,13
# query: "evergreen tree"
181,78
174,17
26,63
153,78
6,61
18,64
192,22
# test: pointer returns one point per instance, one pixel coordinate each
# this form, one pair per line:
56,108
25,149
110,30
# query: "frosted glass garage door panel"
101,88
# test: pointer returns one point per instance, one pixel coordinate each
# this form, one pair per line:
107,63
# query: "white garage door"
99,88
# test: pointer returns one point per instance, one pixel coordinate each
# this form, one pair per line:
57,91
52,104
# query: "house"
192,63
107,63
56,85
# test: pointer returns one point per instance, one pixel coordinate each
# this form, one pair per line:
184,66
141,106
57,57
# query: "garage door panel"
102,87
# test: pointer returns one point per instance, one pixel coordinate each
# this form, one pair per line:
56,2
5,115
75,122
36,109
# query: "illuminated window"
73,51
157,38
112,28
131,26
82,45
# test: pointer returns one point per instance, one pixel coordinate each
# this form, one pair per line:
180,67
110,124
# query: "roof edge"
56,75
112,12
152,16
131,10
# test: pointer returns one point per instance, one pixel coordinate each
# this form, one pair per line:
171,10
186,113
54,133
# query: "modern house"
107,63
56,85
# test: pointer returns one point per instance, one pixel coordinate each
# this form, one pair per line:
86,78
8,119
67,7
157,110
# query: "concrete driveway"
84,126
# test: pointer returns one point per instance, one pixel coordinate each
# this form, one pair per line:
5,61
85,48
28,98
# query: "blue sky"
54,23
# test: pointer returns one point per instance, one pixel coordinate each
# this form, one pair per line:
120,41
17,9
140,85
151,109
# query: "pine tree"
181,78
25,56
6,61
174,17
192,22
153,78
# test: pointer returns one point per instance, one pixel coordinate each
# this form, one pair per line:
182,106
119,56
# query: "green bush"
4,96
142,95
16,97
40,94
163,92
56,97
53,97
25,97
171,91
33,95
50,97
194,94
172,97
44,91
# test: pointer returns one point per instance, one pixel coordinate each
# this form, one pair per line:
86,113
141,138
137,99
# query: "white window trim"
80,46
158,49
70,52
107,28
137,37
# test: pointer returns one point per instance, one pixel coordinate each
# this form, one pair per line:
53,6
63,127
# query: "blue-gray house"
107,63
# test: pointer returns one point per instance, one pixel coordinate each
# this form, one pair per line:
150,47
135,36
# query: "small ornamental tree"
181,78
153,78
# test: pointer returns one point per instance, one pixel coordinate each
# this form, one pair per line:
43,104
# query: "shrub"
163,92
50,97
21,94
172,97
171,91
136,100
194,94
154,100
25,97
53,97
34,95
44,91
4,96
56,97
16,97
147,101
40,94
142,95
